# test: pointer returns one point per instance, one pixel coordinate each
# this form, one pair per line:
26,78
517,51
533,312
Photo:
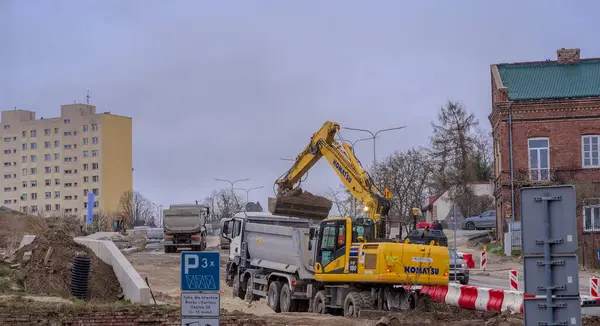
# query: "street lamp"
247,192
287,159
232,183
374,137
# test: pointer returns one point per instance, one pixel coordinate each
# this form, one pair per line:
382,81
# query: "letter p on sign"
188,263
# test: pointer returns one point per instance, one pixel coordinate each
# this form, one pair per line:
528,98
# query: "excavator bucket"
304,205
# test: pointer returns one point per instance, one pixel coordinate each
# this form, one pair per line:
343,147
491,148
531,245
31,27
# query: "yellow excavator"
378,273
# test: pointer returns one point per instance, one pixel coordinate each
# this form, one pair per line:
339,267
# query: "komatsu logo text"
342,171
421,270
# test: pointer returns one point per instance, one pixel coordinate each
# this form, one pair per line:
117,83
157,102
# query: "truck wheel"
285,300
319,303
203,245
249,289
464,281
273,296
237,291
167,250
353,304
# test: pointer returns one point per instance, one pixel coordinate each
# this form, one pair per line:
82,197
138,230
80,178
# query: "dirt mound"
14,225
70,224
52,276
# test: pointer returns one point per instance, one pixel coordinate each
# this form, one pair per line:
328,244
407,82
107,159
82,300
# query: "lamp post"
247,192
287,159
232,183
374,137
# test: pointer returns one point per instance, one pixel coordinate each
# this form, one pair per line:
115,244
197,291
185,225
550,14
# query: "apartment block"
51,164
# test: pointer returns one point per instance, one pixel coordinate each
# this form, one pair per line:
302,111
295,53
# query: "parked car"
487,220
458,268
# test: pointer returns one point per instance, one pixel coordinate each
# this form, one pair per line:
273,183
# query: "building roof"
551,80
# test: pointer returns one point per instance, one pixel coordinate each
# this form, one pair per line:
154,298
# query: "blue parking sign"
200,271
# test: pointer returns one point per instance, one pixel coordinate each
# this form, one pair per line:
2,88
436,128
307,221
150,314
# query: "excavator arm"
291,200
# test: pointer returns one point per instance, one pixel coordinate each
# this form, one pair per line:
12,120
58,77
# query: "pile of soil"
53,277
300,203
14,225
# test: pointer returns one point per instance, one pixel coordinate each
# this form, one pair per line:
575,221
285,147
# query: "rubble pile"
44,268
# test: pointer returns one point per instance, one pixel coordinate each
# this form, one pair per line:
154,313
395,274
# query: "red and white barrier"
513,279
483,261
594,287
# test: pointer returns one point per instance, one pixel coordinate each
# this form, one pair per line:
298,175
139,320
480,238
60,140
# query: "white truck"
269,256
185,227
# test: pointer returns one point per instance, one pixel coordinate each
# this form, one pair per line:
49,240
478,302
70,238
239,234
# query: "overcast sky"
218,90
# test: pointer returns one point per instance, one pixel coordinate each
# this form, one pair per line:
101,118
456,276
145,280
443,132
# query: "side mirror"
311,234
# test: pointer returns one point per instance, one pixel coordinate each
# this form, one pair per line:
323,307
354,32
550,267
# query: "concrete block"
27,239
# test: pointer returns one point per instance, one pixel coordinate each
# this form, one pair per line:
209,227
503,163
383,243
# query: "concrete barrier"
134,287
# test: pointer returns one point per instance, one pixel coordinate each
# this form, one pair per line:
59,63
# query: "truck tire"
203,244
353,304
273,296
286,303
167,250
249,297
237,290
423,302
319,303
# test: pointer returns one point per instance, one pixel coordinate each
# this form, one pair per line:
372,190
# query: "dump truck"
300,265
185,227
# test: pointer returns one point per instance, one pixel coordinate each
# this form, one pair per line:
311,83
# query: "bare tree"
223,203
406,175
101,222
137,209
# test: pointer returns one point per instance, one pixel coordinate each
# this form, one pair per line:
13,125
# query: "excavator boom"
292,201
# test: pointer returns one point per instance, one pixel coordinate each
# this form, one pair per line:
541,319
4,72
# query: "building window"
34,196
94,127
47,144
85,128
539,159
47,169
47,157
33,183
95,204
56,131
68,171
48,208
68,146
6,126
85,153
590,151
85,192
67,121
86,179
57,169
33,133
24,197
68,197
56,143
57,207
85,166
24,172
24,147
33,171
48,195
95,191
94,153
95,178
47,182
67,133
94,140
24,184
57,182
46,132
24,133
24,159
56,156
34,209
591,218
33,145
85,141
94,166
33,158
57,194
68,159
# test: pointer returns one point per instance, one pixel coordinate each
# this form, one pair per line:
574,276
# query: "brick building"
547,115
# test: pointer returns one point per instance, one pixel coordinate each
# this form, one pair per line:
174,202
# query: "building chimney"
568,56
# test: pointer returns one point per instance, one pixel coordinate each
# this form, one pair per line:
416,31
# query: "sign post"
200,286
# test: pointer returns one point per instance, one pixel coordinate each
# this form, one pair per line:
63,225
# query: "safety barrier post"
483,259
594,287
513,280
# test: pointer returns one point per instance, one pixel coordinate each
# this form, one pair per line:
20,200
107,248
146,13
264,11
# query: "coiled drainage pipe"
80,275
